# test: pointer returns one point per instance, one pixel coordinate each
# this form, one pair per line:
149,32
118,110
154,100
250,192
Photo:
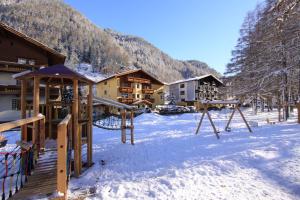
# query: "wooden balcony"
6,66
149,99
126,89
138,80
16,90
10,89
147,91
126,100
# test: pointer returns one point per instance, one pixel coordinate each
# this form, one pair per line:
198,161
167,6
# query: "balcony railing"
149,99
10,89
126,89
16,89
147,91
138,80
125,100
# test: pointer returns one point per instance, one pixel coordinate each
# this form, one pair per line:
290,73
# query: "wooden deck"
42,182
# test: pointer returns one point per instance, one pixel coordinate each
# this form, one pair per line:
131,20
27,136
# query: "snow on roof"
195,79
110,102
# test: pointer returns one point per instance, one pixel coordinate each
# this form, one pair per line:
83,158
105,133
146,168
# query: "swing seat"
3,143
228,129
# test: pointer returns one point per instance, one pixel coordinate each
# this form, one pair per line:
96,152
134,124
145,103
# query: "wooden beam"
36,104
23,109
77,156
230,118
11,125
244,119
212,124
90,126
199,125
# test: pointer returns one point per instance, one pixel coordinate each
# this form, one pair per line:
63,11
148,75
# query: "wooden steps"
42,182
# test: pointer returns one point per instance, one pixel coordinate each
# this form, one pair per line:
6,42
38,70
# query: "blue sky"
205,30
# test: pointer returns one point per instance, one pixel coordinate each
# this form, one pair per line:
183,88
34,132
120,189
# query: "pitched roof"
32,41
130,72
197,78
56,71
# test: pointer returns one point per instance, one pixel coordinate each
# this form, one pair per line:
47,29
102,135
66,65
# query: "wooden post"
123,126
199,125
61,159
42,133
80,145
131,128
212,124
298,108
23,108
36,103
90,126
50,121
205,111
77,156
244,119
230,118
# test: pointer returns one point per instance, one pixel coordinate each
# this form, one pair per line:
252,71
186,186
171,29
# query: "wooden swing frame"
216,102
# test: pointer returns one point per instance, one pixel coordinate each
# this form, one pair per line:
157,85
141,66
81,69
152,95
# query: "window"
137,85
182,85
15,104
137,96
31,62
105,92
22,61
133,96
182,92
105,83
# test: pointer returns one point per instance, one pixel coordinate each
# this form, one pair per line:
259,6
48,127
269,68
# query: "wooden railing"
64,142
150,100
126,89
39,139
138,80
125,100
147,91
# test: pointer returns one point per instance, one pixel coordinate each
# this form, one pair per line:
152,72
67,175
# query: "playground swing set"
218,102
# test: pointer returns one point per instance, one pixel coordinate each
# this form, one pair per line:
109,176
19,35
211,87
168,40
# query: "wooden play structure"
66,120
207,103
121,121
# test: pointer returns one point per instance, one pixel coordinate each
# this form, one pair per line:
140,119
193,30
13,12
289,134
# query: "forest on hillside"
66,30
266,60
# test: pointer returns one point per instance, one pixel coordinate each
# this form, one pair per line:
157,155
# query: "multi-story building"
19,53
133,87
191,90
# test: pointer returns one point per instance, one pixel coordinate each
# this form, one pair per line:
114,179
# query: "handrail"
14,124
63,155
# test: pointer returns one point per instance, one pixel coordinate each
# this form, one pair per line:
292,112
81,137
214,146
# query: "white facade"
194,89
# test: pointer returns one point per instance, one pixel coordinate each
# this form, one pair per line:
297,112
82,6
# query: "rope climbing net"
111,122
15,166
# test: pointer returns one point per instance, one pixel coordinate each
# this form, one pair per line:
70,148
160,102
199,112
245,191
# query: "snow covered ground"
168,161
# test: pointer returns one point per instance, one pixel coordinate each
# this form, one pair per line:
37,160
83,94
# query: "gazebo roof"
56,73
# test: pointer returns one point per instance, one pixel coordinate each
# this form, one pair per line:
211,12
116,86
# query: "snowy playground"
168,161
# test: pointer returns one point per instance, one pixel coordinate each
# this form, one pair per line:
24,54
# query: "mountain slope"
66,30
